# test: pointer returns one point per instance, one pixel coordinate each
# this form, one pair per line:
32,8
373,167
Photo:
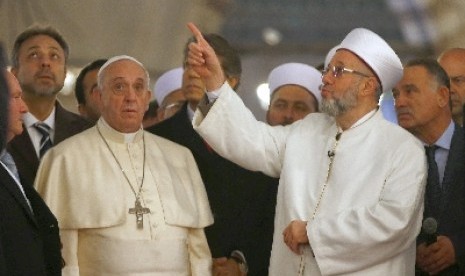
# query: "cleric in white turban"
168,93
351,183
294,93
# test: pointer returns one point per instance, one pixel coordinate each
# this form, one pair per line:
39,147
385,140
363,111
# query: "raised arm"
204,61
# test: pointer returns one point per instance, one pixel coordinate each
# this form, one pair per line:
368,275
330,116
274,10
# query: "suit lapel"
455,166
62,124
23,151
12,187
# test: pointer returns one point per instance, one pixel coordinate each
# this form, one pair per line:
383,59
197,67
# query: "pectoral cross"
139,211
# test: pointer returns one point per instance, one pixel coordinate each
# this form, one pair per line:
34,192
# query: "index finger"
195,31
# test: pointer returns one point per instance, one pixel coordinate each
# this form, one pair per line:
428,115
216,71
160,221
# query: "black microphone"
430,226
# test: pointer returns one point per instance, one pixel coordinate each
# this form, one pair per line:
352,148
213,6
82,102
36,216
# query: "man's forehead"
40,41
125,68
343,56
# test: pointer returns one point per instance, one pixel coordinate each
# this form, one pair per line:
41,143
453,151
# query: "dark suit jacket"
243,202
66,124
451,222
29,243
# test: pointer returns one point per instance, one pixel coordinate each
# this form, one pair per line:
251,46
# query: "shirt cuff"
215,94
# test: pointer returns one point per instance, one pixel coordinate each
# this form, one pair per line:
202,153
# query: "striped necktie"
45,141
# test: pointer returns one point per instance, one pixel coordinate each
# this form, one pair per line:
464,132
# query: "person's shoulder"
77,142
65,116
172,125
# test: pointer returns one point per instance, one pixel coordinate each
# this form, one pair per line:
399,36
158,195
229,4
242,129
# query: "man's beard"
336,107
42,90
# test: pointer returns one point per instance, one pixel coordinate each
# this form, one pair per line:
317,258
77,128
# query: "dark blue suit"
29,243
243,202
451,221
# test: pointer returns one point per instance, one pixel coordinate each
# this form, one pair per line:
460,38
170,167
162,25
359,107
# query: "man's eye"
119,87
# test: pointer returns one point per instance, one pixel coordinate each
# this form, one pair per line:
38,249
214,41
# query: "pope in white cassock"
350,197
127,202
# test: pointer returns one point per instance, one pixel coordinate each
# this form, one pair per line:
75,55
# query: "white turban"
167,83
330,55
298,74
375,52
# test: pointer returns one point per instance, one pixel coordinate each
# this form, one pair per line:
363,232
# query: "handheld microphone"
430,226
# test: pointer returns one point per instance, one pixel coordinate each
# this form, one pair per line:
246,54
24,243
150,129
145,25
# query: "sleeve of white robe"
199,254
231,129
69,239
378,232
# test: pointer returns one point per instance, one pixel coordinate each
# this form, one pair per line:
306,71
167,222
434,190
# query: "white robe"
84,187
371,211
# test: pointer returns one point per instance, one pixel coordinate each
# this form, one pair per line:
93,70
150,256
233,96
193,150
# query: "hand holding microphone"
430,227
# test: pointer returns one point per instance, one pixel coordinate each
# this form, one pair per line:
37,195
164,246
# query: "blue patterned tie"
45,141
7,159
433,188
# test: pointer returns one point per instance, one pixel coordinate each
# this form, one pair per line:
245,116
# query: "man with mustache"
422,101
242,201
294,93
39,59
351,183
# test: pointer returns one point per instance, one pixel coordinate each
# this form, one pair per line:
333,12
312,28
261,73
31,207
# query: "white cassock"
85,188
371,210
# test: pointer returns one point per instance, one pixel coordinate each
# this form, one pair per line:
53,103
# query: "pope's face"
41,70
124,97
290,103
417,100
17,107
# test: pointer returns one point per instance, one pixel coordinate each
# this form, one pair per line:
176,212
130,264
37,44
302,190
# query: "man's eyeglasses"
338,71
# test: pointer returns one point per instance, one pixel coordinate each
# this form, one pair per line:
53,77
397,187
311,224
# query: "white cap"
167,83
296,73
330,55
375,52
118,58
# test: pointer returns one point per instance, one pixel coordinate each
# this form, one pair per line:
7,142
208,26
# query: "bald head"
453,62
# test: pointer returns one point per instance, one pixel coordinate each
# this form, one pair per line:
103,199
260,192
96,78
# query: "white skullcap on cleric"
118,58
167,83
298,74
377,54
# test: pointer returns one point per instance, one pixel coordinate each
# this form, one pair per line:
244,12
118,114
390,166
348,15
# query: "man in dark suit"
29,238
422,101
39,60
242,201
4,99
